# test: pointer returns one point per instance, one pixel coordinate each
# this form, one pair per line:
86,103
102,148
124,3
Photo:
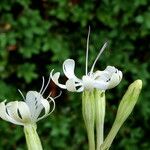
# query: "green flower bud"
124,110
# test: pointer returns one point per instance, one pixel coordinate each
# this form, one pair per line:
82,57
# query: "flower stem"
99,116
32,138
88,112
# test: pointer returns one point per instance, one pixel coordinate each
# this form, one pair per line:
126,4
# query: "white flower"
30,110
102,80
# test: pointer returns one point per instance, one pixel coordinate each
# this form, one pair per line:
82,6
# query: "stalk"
32,138
88,112
99,116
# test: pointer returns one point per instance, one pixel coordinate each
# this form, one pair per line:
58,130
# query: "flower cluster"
29,110
92,84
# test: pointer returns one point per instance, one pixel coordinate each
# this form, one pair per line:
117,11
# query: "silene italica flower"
28,111
93,86
106,79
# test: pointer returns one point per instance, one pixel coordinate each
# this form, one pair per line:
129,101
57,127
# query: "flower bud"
124,110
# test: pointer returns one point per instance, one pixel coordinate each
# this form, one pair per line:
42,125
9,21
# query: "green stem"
109,139
32,138
99,116
88,112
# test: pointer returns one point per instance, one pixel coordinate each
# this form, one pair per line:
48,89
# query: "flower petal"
108,78
14,111
111,69
102,75
114,81
24,112
68,68
70,85
55,78
33,100
5,116
100,84
120,75
88,82
46,106
73,86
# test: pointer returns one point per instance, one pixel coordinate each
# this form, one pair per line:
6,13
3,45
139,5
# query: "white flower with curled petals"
103,80
30,110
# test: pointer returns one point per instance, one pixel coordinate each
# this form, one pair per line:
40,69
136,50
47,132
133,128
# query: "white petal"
97,73
102,75
46,106
55,78
110,69
88,82
33,100
71,86
120,75
14,112
68,68
99,84
24,111
74,86
114,81
5,116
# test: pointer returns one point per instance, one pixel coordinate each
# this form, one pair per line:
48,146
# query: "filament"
87,52
21,94
43,80
99,54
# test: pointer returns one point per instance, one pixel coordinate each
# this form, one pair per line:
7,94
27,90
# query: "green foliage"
37,36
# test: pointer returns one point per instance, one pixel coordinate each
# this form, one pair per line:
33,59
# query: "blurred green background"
37,36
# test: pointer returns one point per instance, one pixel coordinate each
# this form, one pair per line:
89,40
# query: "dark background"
37,36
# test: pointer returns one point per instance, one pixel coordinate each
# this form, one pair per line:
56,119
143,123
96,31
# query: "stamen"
43,80
22,95
53,105
101,51
87,52
58,95
46,85
49,95
51,100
